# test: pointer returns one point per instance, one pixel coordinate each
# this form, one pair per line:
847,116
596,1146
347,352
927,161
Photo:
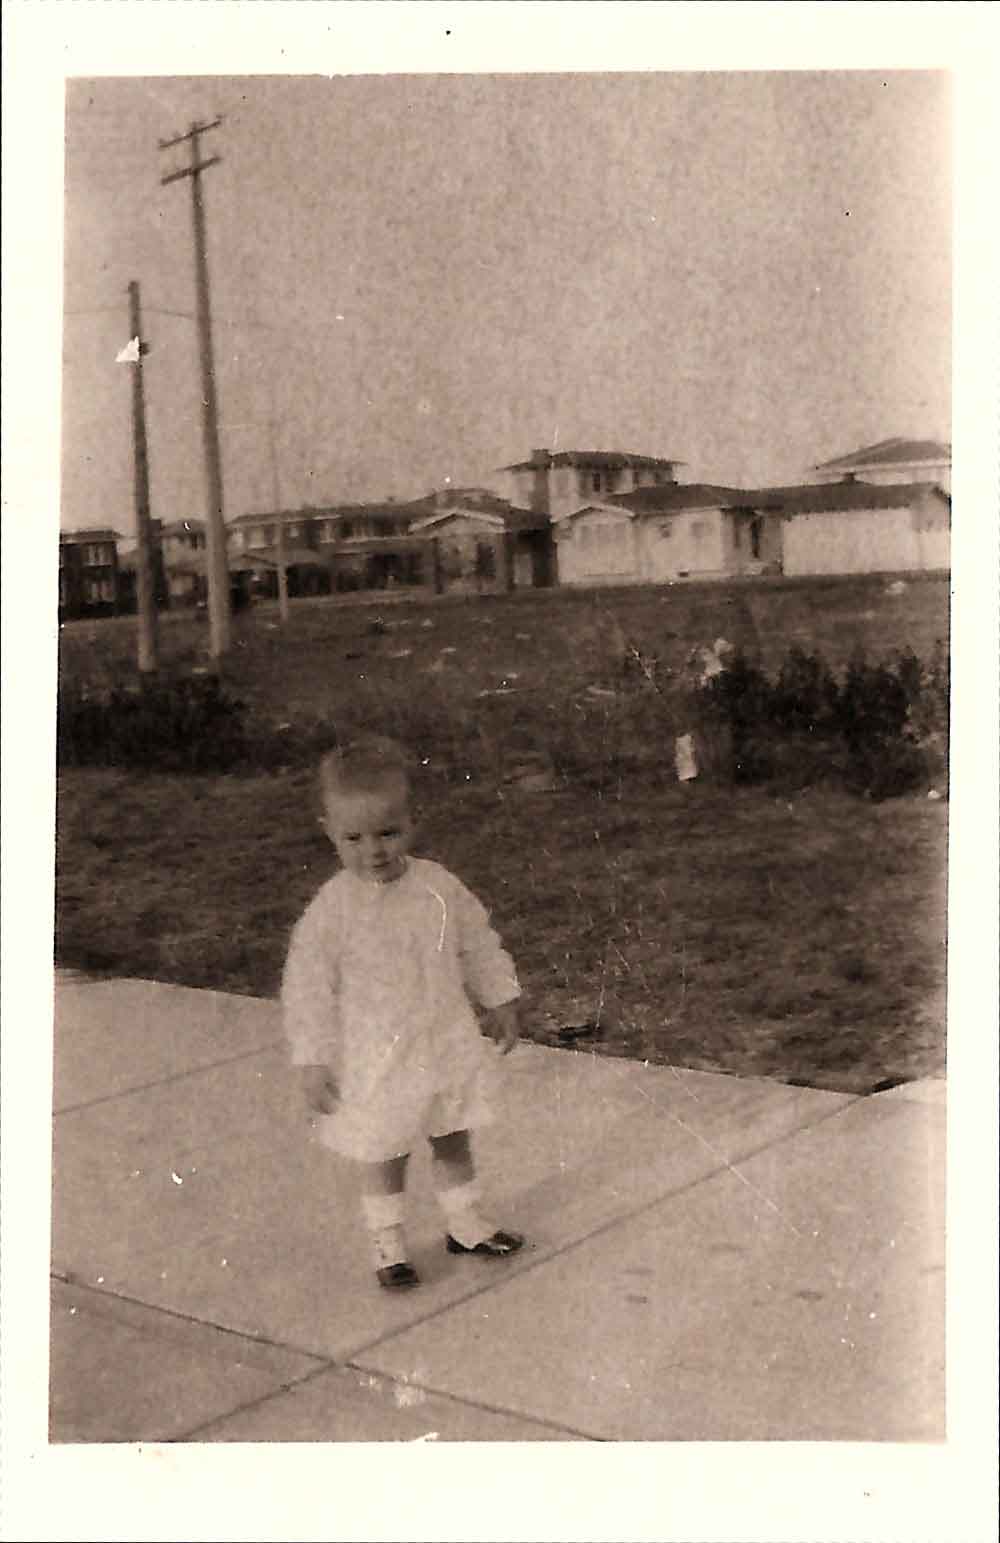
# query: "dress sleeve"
487,969
309,998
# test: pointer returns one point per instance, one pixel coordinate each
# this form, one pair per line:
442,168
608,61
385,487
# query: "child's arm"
309,1006
488,970
505,1025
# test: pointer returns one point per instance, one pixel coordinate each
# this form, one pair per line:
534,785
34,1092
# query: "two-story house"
335,547
88,572
557,482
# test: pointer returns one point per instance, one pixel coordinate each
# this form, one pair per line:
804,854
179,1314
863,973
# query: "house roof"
605,459
267,557
812,497
329,512
890,452
472,501
675,496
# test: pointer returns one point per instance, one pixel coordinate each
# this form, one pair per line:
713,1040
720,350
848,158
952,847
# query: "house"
891,461
481,543
859,527
338,547
318,529
557,482
178,555
182,547
88,572
656,535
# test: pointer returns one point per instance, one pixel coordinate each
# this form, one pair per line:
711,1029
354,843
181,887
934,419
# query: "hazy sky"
423,277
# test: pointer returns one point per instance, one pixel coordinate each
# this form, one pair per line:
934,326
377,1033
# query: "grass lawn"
799,937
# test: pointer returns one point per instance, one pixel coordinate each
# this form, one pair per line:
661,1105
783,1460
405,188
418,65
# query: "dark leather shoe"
496,1247
395,1276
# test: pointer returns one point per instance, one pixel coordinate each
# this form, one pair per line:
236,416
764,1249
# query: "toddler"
376,999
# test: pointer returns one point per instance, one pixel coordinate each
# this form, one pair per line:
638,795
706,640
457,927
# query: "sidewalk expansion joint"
545,1256
161,1082
69,1278
218,1422
247,1405
474,1403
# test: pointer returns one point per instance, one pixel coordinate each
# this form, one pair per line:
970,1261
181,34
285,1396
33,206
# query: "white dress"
377,986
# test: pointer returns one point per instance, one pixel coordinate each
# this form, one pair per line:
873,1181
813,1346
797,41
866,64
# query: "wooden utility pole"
219,606
276,486
145,586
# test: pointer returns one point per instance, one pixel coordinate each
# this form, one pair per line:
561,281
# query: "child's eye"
386,835
352,838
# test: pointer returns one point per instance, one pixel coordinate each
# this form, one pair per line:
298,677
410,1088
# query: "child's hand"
320,1088
504,1026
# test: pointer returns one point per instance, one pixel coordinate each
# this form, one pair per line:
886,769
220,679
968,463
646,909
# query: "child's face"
371,832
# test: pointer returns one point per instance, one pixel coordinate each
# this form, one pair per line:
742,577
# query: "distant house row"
571,517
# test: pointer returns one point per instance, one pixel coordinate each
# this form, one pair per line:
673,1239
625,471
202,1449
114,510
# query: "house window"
347,529
293,531
98,591
255,537
756,530
94,556
327,531
595,482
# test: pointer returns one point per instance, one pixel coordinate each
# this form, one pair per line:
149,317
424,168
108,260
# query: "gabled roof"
295,557
605,459
470,502
890,452
813,497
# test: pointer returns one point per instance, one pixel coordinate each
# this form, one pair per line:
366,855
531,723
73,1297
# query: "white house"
891,461
660,534
858,527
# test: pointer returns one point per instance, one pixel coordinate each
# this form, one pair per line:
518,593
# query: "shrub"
881,731
183,723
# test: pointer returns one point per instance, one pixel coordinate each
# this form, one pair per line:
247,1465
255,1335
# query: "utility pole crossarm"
191,171
196,128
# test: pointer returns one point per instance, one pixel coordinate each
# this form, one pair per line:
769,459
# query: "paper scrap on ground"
129,354
685,759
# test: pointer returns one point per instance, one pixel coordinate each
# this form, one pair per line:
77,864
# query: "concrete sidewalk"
711,1258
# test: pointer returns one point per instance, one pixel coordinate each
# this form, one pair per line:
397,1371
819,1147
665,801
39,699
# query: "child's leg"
382,1202
459,1198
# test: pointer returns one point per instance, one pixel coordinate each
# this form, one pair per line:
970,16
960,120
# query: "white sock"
384,1219
460,1204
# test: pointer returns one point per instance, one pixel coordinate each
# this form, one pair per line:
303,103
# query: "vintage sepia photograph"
503,759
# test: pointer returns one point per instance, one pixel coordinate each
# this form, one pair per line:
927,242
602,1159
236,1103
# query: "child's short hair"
366,764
